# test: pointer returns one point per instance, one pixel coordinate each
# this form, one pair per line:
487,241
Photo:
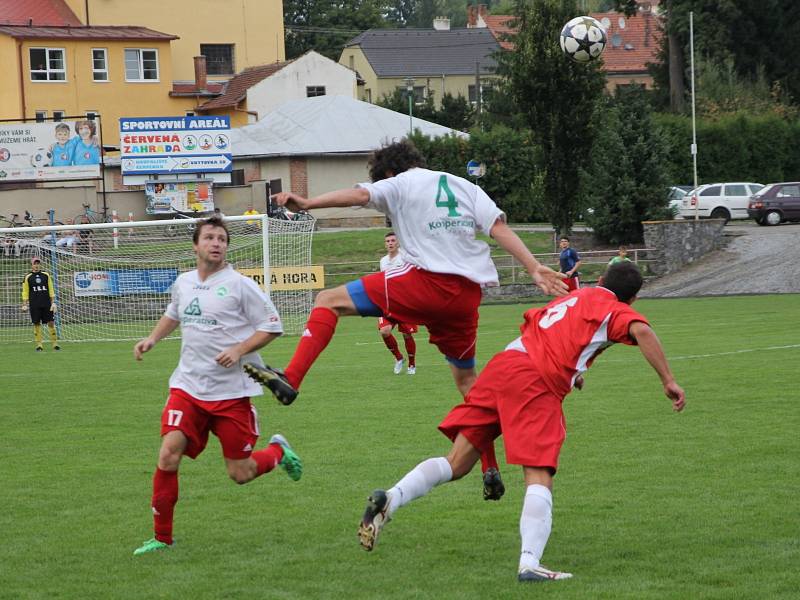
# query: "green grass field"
648,504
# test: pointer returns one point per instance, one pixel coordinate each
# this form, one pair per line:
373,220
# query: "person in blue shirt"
87,147
569,261
63,147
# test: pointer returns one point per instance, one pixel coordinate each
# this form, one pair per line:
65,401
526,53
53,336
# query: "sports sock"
488,459
411,350
391,344
419,481
51,329
535,524
165,496
267,458
318,333
37,334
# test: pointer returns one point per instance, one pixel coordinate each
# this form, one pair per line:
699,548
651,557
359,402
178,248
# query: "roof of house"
427,52
103,32
189,88
235,90
38,12
326,125
499,26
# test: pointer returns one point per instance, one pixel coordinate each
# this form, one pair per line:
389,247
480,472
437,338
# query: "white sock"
535,524
419,481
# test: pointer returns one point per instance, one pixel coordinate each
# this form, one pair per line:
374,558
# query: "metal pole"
54,261
410,91
694,123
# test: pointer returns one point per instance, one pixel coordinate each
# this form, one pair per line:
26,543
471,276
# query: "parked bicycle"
92,216
28,220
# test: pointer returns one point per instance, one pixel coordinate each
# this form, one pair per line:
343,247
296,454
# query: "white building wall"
290,83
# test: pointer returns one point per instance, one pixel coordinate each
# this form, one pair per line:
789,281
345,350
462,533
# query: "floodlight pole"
410,92
694,123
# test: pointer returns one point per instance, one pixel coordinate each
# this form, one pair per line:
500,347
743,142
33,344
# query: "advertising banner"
52,150
123,282
170,145
165,197
283,279
92,283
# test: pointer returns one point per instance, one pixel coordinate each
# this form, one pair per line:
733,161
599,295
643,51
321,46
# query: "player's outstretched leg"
493,488
374,519
290,462
540,573
398,366
274,379
151,545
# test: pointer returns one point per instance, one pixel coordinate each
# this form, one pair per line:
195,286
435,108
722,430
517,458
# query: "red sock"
391,344
267,458
165,496
318,333
488,459
411,350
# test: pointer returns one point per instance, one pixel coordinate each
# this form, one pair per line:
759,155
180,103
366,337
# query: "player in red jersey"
394,260
519,395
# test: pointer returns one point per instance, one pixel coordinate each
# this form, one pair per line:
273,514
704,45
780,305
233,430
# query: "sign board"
47,151
165,197
289,278
476,169
173,145
123,282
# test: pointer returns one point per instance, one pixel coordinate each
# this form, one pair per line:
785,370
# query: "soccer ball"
583,39
41,158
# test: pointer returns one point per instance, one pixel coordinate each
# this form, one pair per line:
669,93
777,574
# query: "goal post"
112,280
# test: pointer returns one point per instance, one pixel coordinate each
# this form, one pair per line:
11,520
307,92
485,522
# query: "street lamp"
409,81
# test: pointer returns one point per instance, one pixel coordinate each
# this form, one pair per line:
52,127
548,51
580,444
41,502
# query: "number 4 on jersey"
449,202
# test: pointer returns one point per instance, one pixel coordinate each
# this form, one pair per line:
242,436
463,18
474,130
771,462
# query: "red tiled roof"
41,12
639,40
189,88
237,86
103,32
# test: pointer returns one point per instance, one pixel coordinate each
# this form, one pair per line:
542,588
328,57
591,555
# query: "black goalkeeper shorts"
41,314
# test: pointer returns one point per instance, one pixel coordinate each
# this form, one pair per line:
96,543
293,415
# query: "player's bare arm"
651,349
163,328
550,281
230,356
335,199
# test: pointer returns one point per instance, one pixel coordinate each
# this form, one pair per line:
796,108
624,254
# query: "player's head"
624,279
210,223
86,128
62,132
394,159
564,241
36,263
623,251
390,241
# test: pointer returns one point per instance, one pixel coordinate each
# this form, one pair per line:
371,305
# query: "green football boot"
151,545
290,462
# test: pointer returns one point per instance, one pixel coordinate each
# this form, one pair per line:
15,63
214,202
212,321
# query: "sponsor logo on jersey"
194,308
455,225
222,291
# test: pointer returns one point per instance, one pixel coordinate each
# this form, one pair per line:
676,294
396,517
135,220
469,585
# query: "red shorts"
510,398
573,283
446,304
404,328
234,422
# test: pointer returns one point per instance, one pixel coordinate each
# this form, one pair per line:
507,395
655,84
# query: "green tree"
556,98
626,180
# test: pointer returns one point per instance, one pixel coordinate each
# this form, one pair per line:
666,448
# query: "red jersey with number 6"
564,337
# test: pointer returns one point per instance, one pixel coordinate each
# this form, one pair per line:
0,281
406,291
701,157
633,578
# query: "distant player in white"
394,260
436,217
225,318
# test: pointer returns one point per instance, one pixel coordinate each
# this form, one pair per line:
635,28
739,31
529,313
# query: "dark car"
775,204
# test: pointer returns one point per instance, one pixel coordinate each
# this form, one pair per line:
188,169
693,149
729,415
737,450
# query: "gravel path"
755,260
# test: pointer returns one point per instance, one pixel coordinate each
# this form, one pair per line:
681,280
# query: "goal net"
112,281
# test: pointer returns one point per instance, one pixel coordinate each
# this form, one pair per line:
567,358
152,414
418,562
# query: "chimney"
472,16
482,13
441,23
200,72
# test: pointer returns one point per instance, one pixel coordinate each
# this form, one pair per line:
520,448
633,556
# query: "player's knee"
385,332
240,475
168,459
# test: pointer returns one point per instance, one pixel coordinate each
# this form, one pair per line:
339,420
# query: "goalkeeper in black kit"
39,296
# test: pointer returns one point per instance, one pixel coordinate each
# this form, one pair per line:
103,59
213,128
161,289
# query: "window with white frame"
312,91
58,115
99,64
48,64
141,64
41,116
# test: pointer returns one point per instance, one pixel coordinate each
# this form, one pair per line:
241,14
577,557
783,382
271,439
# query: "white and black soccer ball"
583,39
41,158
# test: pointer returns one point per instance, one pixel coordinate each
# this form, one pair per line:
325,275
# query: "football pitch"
647,503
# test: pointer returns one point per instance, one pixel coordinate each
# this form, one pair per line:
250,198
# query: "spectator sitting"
84,237
68,237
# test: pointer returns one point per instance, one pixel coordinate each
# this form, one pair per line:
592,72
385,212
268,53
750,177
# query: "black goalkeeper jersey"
37,289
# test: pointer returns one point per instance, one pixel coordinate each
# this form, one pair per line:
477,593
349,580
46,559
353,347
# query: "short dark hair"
390,233
210,222
624,279
395,158
563,237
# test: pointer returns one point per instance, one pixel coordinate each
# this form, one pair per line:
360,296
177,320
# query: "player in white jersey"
225,318
436,217
393,260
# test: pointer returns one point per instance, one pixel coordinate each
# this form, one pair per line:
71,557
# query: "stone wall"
680,242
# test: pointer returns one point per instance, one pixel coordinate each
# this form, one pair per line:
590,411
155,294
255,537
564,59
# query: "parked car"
719,200
775,204
675,196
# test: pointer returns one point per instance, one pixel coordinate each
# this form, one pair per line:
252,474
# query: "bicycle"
281,213
91,215
28,220
174,229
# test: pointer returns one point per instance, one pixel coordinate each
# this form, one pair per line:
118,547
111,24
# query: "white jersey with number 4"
436,216
215,314
392,263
